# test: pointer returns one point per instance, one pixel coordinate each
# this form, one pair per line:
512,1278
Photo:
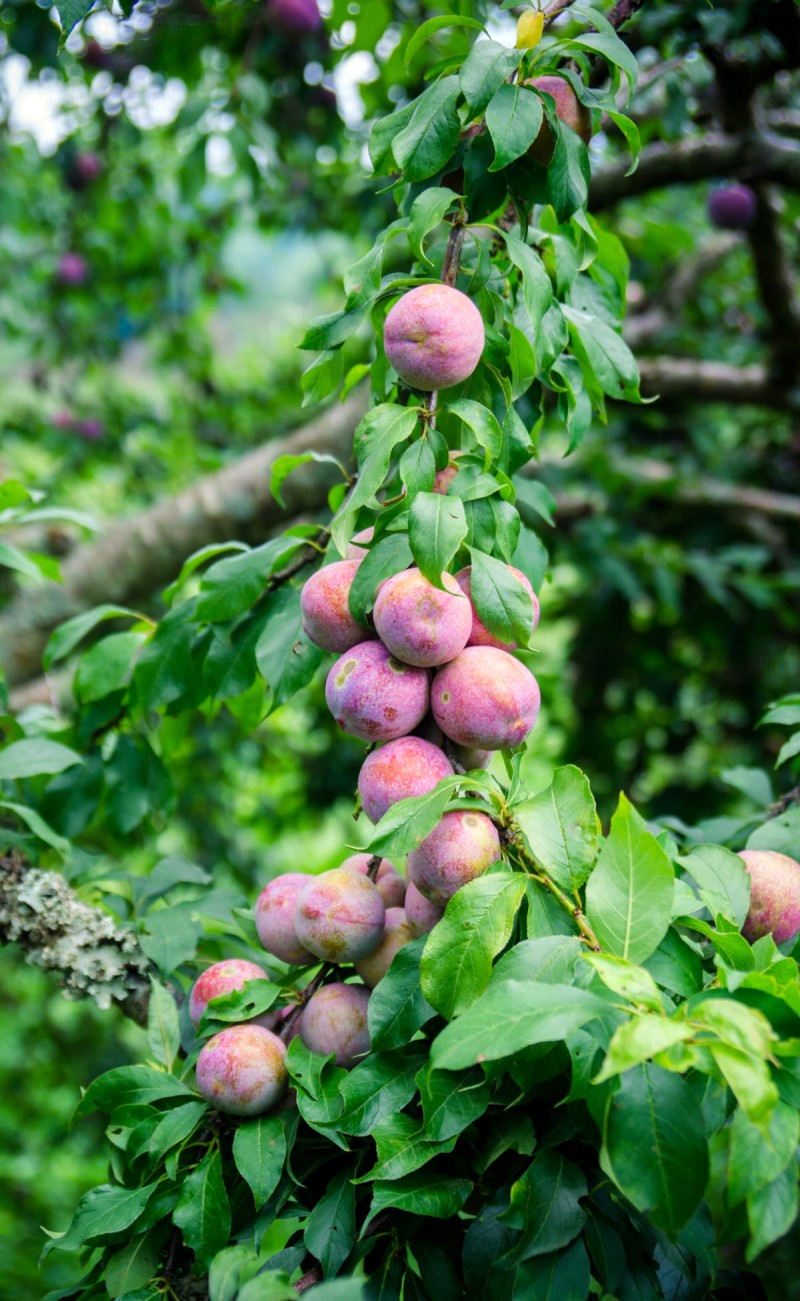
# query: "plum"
459,849
335,1021
373,696
340,916
420,623
242,1070
398,770
485,699
274,917
434,337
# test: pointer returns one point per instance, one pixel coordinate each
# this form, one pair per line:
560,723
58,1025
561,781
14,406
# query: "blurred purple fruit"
732,207
73,269
91,430
294,17
63,420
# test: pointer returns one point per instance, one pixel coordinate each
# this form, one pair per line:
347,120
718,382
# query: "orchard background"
186,188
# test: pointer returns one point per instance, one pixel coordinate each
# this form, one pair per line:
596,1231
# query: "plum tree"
335,1021
324,602
399,770
774,895
374,696
274,918
434,337
420,623
485,699
340,916
242,1070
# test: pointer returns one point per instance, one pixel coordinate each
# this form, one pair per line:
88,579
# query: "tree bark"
145,552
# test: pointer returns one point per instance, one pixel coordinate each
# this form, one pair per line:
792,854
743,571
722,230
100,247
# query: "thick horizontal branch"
93,956
757,155
141,554
676,378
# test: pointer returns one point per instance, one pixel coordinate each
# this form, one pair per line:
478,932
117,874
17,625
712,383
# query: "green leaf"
483,72
177,1125
126,1086
437,527
31,758
634,984
389,556
450,1104
406,824
513,119
286,657
165,671
433,25
759,1154
511,1016
318,381
675,966
195,560
560,825
537,291
772,1211
427,212
402,1148
749,1078
170,938
722,879
379,1086
608,45
654,1145
227,1270
629,894
232,585
107,667
163,1031
330,331
282,466
435,1197
259,1150
503,603
203,1213
781,833
417,467
67,636
381,430
431,135
557,1276
12,558
603,355
135,1264
397,1006
38,826
549,960
638,1040
477,924
545,1205
330,1229
72,12
483,424
102,1213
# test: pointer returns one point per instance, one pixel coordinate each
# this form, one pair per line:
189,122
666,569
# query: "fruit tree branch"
93,955
145,552
754,155
680,378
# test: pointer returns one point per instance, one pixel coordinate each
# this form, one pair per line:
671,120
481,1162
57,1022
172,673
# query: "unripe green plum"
479,633
418,622
774,895
326,613
391,886
335,1021
421,914
340,916
434,337
459,849
242,1070
568,108
274,917
396,933
375,697
223,978
485,699
398,770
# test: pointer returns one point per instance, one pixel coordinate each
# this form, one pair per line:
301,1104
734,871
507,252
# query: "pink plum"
774,895
354,551
732,207
418,622
569,109
391,886
373,696
434,337
479,634
242,1070
485,699
274,916
335,1021
340,916
443,478
421,914
326,614
458,850
223,978
397,932
409,766
73,269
